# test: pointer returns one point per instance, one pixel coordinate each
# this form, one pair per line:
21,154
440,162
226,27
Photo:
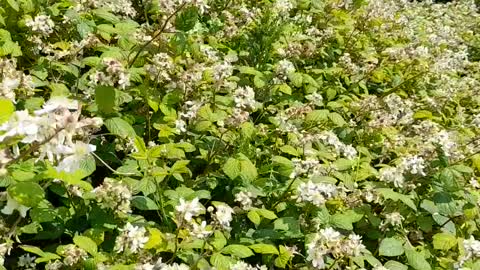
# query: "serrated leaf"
44,256
232,168
221,262
120,127
264,248
144,203
254,217
392,195
317,116
239,251
284,88
416,260
219,240
288,149
345,220
258,81
391,247
186,19
155,239
29,194
266,213
248,171
296,78
14,4
444,241
394,265
86,244
284,257
337,119
106,15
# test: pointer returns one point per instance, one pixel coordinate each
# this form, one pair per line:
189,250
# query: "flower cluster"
113,195
132,239
111,73
329,242
41,24
209,134
315,193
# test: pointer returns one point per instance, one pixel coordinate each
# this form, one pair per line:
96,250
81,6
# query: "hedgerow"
238,134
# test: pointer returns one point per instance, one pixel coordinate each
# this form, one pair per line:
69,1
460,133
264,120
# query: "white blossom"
189,209
27,262
245,199
13,205
392,175
131,238
223,215
41,24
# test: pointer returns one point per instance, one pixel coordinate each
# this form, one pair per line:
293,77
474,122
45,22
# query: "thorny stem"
284,194
333,264
13,229
162,29
177,232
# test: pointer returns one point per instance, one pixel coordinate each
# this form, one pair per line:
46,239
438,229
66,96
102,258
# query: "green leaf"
105,98
416,260
6,109
296,79
392,195
41,215
337,119
266,213
27,193
249,70
120,127
186,19
317,116
345,220
259,81
264,248
284,257
44,256
444,241
391,247
290,226
476,161
239,251
106,15
232,168
59,89
254,217
219,240
13,4
180,166
221,262
144,203
155,240
288,149
284,88
86,244
394,265
248,171
146,186
422,114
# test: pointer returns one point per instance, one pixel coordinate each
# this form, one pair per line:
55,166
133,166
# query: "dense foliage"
239,134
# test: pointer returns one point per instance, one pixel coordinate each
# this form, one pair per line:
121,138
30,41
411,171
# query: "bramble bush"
239,134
